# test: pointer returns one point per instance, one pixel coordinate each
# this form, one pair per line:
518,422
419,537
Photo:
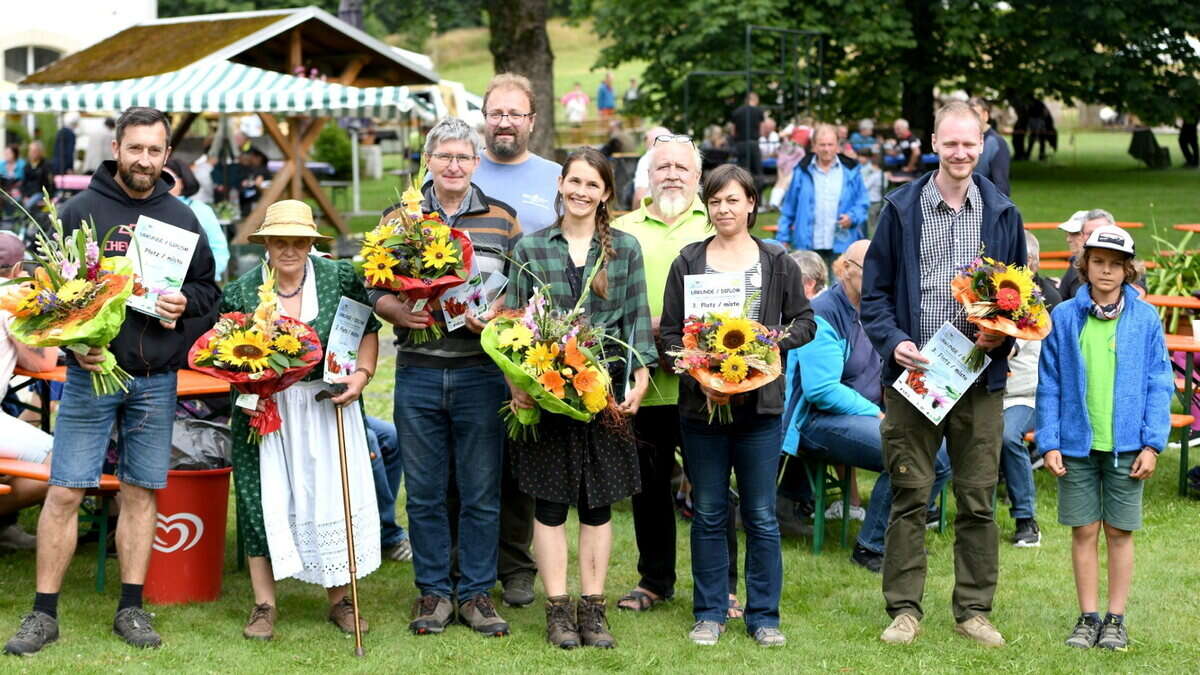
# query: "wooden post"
295,51
182,128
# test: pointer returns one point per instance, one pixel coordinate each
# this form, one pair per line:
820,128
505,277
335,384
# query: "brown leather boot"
261,625
593,623
561,630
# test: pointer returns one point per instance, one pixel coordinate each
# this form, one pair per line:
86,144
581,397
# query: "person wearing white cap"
1079,227
1101,441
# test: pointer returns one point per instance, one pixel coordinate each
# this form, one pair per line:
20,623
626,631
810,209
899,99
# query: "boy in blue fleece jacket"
1103,440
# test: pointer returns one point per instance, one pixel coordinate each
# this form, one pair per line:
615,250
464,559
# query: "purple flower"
93,253
68,269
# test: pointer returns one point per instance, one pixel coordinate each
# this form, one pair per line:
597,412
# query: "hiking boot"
769,636
431,615
133,625
1028,535
1086,633
401,552
518,590
902,631
261,625
790,515
13,538
593,623
341,614
37,630
706,633
1113,634
561,629
480,614
979,629
868,559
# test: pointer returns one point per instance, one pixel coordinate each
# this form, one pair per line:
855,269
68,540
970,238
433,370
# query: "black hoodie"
144,347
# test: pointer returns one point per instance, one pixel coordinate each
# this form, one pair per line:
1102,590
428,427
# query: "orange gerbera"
572,356
553,382
585,380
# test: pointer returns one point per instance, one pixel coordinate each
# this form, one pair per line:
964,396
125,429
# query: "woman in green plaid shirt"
588,465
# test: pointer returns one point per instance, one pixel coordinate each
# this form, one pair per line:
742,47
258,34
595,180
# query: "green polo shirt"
661,244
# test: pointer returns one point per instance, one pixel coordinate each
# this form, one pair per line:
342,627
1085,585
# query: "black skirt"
568,452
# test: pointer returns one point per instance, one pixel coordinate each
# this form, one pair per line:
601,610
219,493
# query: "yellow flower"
541,356
267,311
596,399
733,369
735,335
286,344
439,253
516,336
1016,278
73,290
412,201
246,348
376,237
204,354
378,268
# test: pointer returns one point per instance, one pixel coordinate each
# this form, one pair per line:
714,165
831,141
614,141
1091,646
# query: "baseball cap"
1075,223
12,249
1111,237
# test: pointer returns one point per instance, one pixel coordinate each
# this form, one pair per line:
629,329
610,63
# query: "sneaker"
902,631
768,636
979,629
341,614
1113,634
261,625
401,552
480,614
37,630
561,630
834,512
790,515
518,590
933,518
593,624
1086,633
133,625
706,632
431,615
13,538
868,559
1028,535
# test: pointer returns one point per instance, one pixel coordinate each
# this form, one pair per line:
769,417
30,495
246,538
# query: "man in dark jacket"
148,348
927,230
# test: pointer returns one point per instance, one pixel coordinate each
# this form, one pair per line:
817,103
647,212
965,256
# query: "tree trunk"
519,44
919,73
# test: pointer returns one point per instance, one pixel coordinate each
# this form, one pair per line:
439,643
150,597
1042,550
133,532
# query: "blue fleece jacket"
891,303
818,376
1142,405
796,212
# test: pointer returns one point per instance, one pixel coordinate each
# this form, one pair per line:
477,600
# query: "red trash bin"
188,555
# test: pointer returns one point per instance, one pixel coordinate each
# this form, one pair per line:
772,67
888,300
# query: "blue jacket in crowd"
824,374
799,204
891,303
1144,381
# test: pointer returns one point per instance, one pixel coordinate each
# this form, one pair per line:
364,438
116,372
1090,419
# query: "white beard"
673,205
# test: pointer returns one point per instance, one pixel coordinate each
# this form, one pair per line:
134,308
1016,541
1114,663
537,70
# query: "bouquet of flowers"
260,354
1001,299
551,355
76,298
729,355
417,254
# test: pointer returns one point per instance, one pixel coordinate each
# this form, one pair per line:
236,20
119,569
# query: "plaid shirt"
623,314
949,240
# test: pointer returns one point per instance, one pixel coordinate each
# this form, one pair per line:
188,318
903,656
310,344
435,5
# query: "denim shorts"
144,419
1097,488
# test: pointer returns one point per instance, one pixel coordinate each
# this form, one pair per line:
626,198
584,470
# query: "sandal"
736,610
638,600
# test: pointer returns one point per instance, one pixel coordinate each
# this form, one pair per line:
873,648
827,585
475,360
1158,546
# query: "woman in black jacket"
750,444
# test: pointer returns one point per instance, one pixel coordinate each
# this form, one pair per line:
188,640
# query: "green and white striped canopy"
221,87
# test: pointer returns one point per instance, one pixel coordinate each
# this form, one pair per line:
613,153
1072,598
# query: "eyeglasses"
673,138
855,263
447,158
495,116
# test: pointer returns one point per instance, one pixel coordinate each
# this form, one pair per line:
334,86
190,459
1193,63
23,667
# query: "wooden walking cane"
336,390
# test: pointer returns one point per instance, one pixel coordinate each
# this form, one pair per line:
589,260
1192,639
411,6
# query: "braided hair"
595,159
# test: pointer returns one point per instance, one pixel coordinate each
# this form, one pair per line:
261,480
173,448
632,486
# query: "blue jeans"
144,417
387,465
854,440
750,447
442,416
1014,460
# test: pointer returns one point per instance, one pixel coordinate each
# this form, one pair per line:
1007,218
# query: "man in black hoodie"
149,349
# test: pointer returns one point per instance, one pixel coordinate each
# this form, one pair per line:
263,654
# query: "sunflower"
378,268
439,253
553,382
1016,278
375,238
73,290
596,400
516,336
734,336
734,369
245,349
286,344
204,354
541,356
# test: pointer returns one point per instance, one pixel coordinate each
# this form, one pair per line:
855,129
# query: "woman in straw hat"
289,501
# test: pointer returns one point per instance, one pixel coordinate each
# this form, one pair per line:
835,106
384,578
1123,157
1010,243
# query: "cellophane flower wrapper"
1001,299
729,355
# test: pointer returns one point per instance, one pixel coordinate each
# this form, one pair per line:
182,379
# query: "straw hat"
288,218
